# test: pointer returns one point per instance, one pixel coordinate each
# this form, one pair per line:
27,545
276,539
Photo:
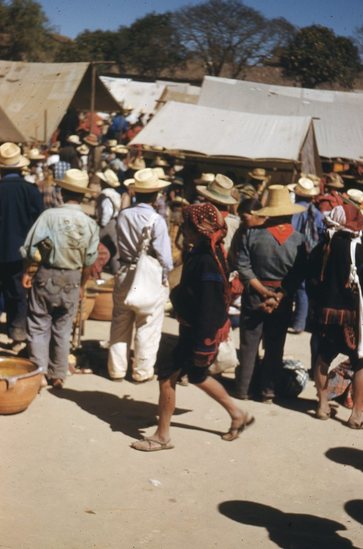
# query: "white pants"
147,333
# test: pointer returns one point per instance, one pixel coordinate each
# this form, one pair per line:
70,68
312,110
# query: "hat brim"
258,178
21,164
229,200
311,194
335,185
161,185
200,181
278,211
101,176
73,188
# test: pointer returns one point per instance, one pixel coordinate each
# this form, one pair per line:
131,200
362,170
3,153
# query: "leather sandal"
151,445
234,431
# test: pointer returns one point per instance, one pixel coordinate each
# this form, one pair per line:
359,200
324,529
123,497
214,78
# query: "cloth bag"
146,287
226,357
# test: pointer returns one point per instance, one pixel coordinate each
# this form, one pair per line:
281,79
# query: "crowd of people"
255,254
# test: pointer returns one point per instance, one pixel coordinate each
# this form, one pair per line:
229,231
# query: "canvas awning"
220,133
338,116
35,96
141,97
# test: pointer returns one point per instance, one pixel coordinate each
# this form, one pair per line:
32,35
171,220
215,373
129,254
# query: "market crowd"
227,251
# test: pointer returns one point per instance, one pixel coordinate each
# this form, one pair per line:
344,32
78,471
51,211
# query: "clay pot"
103,306
19,384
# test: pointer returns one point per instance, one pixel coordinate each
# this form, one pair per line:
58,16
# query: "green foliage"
227,35
316,56
25,22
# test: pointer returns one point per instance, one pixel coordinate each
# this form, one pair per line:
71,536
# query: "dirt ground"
70,480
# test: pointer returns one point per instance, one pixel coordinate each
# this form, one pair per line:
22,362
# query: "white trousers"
146,329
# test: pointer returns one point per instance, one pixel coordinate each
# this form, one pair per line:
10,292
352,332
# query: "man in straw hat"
20,205
333,186
271,264
258,179
130,226
64,241
108,205
219,192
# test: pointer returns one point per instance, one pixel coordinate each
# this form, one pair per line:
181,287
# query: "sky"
70,17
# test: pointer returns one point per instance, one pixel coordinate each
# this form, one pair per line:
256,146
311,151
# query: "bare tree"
227,35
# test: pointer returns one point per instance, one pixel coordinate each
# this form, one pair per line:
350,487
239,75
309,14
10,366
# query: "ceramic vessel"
19,384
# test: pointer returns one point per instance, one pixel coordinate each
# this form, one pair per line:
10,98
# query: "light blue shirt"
73,235
130,224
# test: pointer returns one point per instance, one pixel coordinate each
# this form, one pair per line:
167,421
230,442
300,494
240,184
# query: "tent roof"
35,96
217,132
338,116
141,96
8,131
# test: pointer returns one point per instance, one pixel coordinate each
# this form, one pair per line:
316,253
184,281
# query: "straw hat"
34,154
54,148
91,139
160,173
355,195
305,187
74,139
147,181
119,149
11,157
334,180
128,182
259,174
83,149
219,190
111,143
204,179
179,201
278,203
74,180
137,163
109,177
159,161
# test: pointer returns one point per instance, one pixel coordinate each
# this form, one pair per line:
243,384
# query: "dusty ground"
69,479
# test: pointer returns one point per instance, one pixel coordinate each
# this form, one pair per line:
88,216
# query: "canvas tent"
217,133
140,96
35,96
338,116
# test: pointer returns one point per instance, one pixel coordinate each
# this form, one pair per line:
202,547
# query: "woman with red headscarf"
201,303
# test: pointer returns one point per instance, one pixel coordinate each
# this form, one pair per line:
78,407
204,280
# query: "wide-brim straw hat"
278,203
111,143
91,139
159,161
219,190
109,177
147,181
11,157
83,149
160,173
54,148
334,180
305,187
355,195
205,179
34,154
179,201
259,174
74,139
119,149
137,163
74,180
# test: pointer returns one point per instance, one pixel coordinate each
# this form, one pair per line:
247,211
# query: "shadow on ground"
346,456
288,530
354,508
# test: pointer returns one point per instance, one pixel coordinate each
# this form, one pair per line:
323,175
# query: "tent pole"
93,94
45,125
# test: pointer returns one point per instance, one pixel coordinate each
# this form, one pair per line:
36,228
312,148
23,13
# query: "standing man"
20,205
66,239
131,223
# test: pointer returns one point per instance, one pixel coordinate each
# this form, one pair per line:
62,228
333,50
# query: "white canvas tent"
140,96
35,96
338,116
228,134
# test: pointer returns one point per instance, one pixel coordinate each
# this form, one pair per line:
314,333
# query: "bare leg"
321,382
356,419
166,407
239,418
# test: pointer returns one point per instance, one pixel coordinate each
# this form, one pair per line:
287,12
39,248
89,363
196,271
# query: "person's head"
11,159
219,192
70,196
74,185
146,198
203,222
245,212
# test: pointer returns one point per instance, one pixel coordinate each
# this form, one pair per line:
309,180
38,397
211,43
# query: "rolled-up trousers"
125,322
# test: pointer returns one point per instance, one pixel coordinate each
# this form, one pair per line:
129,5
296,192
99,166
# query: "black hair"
146,198
247,205
71,196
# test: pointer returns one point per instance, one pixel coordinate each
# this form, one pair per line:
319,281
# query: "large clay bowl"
103,306
19,384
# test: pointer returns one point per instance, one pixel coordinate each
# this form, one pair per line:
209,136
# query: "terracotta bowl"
103,306
19,384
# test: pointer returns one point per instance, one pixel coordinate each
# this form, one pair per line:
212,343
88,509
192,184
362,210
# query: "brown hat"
11,157
219,190
334,180
74,180
259,174
278,203
91,139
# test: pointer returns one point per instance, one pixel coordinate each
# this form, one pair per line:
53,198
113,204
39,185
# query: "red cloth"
281,232
327,202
